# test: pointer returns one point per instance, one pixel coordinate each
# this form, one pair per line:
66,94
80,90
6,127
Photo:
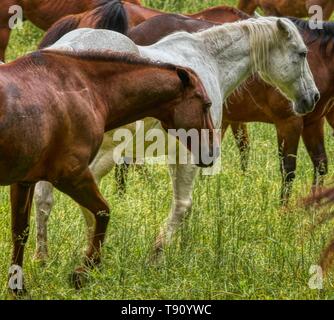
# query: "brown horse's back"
158,27
220,14
293,8
45,117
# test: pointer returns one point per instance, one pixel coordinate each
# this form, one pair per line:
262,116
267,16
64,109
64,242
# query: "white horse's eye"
303,54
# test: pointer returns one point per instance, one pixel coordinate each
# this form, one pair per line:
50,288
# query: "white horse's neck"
232,53
235,52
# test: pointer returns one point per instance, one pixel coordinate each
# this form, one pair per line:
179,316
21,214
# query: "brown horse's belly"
238,113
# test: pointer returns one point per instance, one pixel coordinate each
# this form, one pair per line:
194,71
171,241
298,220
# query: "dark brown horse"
52,124
294,8
262,103
43,13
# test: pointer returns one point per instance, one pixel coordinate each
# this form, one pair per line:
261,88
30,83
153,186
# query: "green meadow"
237,243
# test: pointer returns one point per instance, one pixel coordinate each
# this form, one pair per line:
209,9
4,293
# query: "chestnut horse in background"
110,16
281,8
262,103
52,126
43,13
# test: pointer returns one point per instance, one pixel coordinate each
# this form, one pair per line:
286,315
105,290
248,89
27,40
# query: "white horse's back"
92,39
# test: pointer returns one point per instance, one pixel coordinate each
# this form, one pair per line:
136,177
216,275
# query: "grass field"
237,244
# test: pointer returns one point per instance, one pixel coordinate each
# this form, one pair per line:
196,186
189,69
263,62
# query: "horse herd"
57,126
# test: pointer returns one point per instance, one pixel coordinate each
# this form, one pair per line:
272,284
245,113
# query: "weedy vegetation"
237,243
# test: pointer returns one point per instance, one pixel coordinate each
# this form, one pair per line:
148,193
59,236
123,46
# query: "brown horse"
294,8
52,125
111,16
262,103
269,107
139,14
43,13
135,14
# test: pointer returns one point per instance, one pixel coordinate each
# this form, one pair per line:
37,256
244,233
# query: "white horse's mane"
263,35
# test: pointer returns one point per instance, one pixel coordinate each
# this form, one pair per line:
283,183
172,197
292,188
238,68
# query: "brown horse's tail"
110,14
321,199
59,29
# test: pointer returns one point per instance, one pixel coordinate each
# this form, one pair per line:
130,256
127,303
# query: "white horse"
223,57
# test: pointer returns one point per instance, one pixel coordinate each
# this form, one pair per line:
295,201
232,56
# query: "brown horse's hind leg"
21,201
288,134
314,140
4,39
241,137
84,191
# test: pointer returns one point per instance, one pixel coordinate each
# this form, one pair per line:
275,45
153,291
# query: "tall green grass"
236,244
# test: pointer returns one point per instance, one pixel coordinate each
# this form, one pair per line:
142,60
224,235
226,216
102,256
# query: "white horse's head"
282,61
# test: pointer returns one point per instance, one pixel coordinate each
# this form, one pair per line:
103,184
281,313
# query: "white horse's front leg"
183,177
44,204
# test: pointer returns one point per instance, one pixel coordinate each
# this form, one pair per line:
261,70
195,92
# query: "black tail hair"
110,14
59,29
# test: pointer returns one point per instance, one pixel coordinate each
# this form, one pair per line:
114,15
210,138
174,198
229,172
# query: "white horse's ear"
284,28
256,15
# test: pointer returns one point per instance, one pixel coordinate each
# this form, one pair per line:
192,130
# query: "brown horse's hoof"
154,258
79,278
41,258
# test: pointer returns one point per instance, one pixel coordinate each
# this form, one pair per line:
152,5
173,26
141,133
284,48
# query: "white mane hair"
263,36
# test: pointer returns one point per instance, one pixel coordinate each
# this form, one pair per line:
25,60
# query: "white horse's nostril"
316,97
